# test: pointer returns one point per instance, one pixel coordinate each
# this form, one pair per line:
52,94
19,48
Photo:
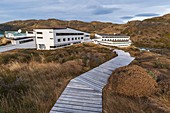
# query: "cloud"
127,17
146,15
119,11
101,10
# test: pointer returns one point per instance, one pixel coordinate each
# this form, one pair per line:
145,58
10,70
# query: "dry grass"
157,66
31,81
4,41
123,79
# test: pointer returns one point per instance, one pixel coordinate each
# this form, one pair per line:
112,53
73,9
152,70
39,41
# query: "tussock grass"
120,93
31,81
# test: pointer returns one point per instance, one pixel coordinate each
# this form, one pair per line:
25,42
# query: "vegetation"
136,93
4,41
31,80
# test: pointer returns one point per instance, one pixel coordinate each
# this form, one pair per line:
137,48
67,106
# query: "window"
81,37
25,41
64,39
52,46
76,38
68,39
63,34
30,32
39,37
51,38
39,32
72,38
59,40
50,32
87,35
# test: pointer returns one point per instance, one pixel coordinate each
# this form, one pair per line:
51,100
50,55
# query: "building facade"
119,40
51,38
21,40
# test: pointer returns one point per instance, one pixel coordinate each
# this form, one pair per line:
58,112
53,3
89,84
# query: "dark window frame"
25,41
39,32
39,37
64,34
59,40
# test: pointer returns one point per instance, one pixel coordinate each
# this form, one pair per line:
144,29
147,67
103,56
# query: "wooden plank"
70,110
74,107
78,100
80,104
82,93
92,80
81,97
97,87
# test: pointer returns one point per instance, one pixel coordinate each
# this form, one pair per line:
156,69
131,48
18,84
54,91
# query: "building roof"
15,33
57,27
112,34
60,27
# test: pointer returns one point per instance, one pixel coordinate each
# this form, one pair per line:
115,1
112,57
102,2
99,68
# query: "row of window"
114,40
64,45
69,39
25,41
115,37
64,34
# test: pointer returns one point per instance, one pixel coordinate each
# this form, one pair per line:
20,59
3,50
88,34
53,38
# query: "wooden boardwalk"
84,93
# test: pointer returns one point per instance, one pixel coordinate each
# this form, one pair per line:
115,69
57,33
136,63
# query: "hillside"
27,75
152,33
95,26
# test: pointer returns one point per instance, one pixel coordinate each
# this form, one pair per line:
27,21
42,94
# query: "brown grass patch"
154,65
31,81
132,81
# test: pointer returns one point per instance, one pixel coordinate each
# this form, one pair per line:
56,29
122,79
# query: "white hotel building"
51,38
119,40
47,38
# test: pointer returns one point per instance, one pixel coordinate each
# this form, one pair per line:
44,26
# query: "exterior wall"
87,37
121,41
28,43
119,44
69,39
30,33
47,38
53,38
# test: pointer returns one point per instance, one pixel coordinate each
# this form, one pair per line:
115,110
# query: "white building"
119,40
50,38
47,38
21,40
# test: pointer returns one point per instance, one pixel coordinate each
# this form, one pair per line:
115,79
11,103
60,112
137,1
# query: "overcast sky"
115,11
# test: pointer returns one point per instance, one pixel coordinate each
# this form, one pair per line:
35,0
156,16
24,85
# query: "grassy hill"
95,26
153,33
